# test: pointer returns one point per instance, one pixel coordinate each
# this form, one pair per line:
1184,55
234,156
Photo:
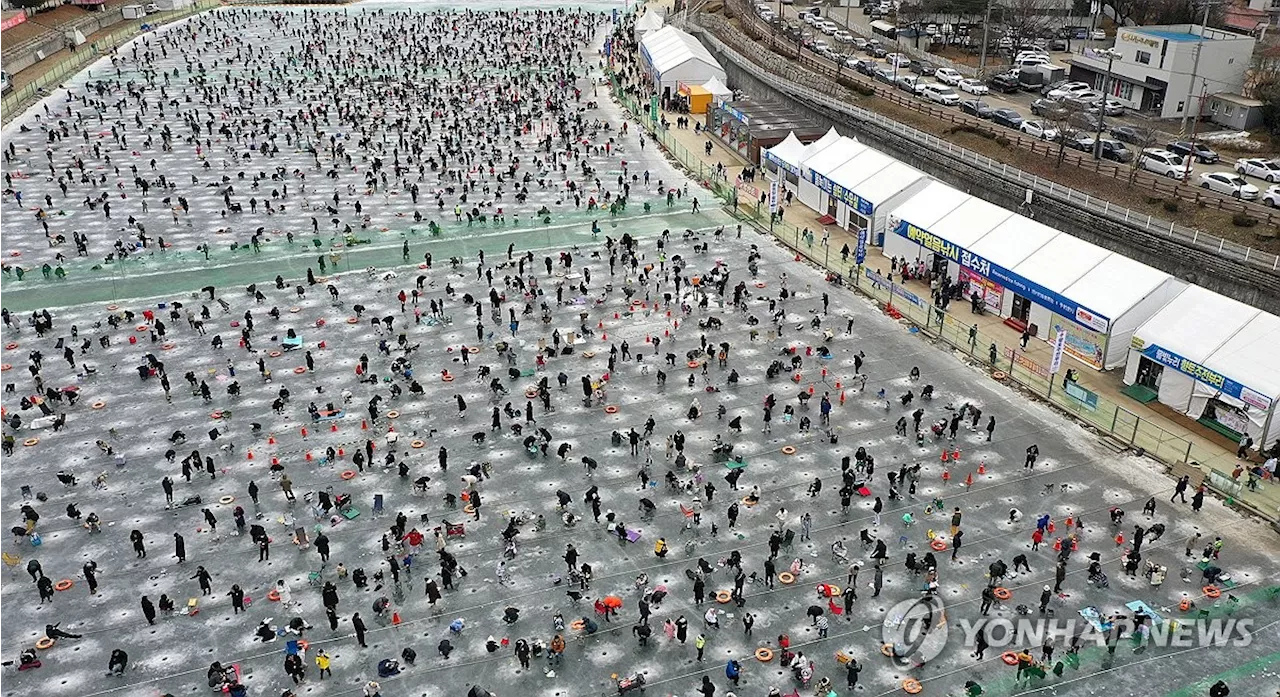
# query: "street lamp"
1111,54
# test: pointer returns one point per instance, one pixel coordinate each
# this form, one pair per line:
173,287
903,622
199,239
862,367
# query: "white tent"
815,170
1212,358
784,155
1125,292
827,139
672,56
720,92
648,22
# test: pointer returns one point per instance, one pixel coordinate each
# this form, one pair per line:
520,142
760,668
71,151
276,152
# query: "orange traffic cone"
334,427
955,454
600,324
982,467
1057,544
838,385
395,619
648,339
797,256
271,439
1069,521
968,480
309,456
249,456
841,397
342,453
946,475
1119,539
304,432
945,455
616,316
364,425
604,336
1051,527
275,460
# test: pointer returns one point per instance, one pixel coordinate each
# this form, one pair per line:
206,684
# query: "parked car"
910,83
1272,197
1039,129
844,37
1046,89
1081,141
975,107
1098,35
1229,183
923,68
1130,134
812,20
860,43
884,75
866,67
897,60
973,86
877,50
1007,118
940,93
1197,150
1259,167
948,76
1113,107
1085,121
1070,89
1006,82
1163,162
821,45
1112,149
1048,108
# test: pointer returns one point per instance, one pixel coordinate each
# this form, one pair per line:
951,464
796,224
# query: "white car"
940,93
973,86
1039,129
821,45
897,60
812,20
1272,197
844,37
1164,163
1071,89
1098,35
1228,183
1260,168
948,76
828,28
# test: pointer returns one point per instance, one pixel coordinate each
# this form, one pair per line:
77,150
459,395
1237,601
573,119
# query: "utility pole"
986,27
1195,68
1111,55
1195,126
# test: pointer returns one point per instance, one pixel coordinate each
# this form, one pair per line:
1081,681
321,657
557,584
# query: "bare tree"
1143,138
1027,19
1062,118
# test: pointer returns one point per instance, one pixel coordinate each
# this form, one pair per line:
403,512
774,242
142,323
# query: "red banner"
13,21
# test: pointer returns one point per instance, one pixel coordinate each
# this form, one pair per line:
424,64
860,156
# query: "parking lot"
854,45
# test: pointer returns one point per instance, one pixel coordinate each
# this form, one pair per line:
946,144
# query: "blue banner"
1026,288
841,194
770,157
860,253
1210,377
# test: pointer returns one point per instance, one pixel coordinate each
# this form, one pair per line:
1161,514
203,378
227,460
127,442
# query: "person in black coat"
148,610
119,661
358,625
237,599
179,547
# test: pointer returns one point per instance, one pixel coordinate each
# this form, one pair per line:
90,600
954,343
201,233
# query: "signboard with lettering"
1200,373
773,196
1022,360
777,161
860,252
1059,343
1080,394
990,292
895,289
1022,286
839,193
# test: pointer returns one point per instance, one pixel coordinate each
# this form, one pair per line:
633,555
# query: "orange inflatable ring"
300,370
611,409
304,644
999,375
112,308
1185,604
5,366
912,686
786,578
30,442
348,474
352,320
788,450
226,499
64,584
938,545
417,444
216,415
142,328
273,595
577,624
447,378
764,655
1002,593
760,284
474,349
887,650
11,345
274,354
1010,658
723,596
469,509
747,502
295,309
98,405
694,364
393,414
1211,592
168,347
44,642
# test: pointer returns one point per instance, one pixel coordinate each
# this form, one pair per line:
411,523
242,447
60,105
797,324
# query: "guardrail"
15,102
832,78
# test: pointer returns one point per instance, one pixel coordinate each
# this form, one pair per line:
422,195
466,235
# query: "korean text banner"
1212,378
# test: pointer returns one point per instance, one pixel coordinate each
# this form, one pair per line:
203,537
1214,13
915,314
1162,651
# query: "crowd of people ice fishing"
411,383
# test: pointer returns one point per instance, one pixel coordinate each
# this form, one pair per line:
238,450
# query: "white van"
939,93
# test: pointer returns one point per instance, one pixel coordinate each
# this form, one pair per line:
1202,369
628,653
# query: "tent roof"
1248,357
1011,242
1196,324
931,204
888,182
830,158
827,138
968,222
717,87
693,90
1115,285
859,168
669,47
789,150
650,20
1061,262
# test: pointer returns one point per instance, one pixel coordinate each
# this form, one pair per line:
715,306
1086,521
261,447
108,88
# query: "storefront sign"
1027,289
1200,373
737,115
991,293
13,21
773,196
1059,343
860,252
1080,394
896,290
777,161
841,194
1022,360
1139,39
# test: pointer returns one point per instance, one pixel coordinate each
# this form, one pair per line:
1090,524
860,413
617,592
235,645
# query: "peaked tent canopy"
719,91
648,22
672,56
786,154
